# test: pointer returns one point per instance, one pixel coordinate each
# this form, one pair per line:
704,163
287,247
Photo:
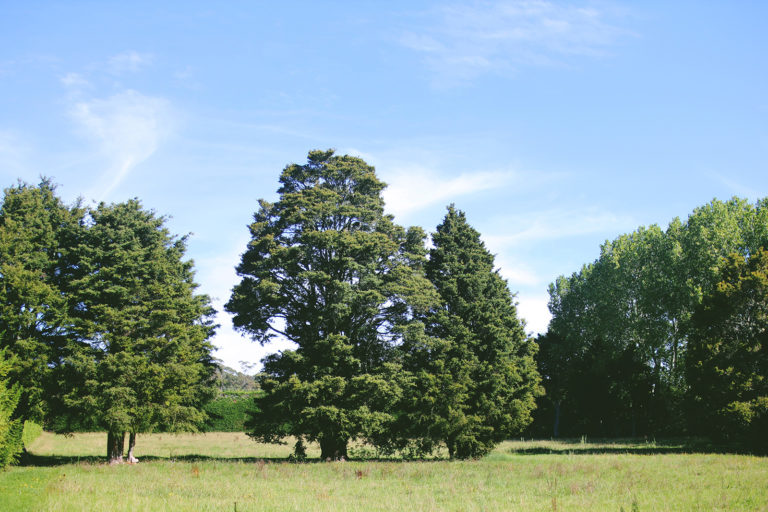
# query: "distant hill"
229,379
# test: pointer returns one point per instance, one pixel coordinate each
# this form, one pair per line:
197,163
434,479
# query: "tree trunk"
131,444
332,448
115,446
556,428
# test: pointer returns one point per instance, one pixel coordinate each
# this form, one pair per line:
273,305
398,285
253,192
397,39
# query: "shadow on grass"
535,447
30,459
634,446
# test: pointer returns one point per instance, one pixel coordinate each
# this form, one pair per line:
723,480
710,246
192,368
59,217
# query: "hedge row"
229,412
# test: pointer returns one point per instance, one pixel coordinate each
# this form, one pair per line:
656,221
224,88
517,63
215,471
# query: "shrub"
10,429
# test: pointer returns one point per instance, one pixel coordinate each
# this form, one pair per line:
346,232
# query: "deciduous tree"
727,360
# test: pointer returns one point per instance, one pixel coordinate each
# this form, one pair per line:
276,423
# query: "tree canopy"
612,358
142,359
99,315
37,236
475,376
727,359
326,269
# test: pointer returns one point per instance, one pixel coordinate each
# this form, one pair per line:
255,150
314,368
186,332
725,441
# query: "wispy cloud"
414,188
13,154
557,224
128,128
516,271
75,81
462,41
735,187
129,62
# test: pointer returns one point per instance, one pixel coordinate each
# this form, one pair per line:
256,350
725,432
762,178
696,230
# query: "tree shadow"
30,459
637,447
33,460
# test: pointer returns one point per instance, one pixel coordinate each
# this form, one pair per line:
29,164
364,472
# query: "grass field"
226,472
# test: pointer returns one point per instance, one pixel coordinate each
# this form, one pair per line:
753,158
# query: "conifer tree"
475,372
142,360
326,269
37,236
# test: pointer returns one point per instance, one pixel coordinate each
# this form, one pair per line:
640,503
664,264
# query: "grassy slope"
215,471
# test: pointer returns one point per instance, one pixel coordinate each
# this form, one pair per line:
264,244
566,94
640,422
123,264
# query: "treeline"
665,333
100,325
404,347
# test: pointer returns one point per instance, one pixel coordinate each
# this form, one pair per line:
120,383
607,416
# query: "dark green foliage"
612,357
229,411
10,429
326,269
142,360
37,236
727,359
474,378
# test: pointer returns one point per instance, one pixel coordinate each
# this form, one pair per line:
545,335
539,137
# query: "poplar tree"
476,379
327,270
142,360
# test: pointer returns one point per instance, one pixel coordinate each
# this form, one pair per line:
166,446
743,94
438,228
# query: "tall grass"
228,471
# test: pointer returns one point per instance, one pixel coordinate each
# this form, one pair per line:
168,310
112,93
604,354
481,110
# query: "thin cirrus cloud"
414,189
129,62
462,41
557,224
128,127
12,153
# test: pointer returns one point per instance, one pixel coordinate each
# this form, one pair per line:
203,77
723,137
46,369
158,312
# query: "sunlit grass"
221,445
223,471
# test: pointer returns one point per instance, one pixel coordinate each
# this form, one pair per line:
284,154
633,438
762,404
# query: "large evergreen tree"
476,379
37,236
326,269
142,360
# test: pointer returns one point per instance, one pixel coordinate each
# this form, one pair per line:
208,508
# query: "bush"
229,411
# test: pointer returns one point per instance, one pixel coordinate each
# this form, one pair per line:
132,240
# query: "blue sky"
553,125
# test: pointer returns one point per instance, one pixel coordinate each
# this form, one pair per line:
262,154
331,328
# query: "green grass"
31,432
223,471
